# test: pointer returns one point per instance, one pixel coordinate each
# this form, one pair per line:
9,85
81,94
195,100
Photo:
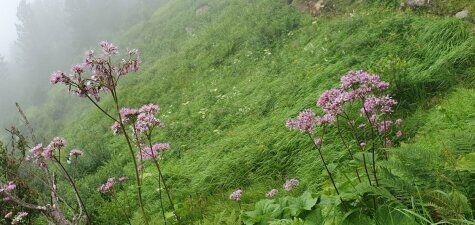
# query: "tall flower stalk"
104,77
362,90
143,122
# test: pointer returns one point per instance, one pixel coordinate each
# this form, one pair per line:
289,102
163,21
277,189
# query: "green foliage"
227,87
279,212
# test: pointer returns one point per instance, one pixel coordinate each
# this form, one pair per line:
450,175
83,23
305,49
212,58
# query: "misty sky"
7,24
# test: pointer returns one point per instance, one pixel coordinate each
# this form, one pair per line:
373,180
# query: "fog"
41,36
7,25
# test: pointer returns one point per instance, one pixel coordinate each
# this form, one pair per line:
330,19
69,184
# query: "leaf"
315,217
466,163
387,216
357,218
169,215
293,206
327,200
265,211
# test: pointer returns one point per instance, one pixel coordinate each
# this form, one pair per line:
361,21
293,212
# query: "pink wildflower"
9,187
75,152
58,77
108,48
107,187
332,101
153,153
78,68
384,126
305,122
58,142
325,120
290,184
388,143
128,114
399,134
318,142
236,196
362,126
116,129
272,193
362,82
123,179
48,152
374,105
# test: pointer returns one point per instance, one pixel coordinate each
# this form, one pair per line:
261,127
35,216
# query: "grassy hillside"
227,87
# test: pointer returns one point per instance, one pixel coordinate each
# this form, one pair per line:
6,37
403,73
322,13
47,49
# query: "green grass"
227,89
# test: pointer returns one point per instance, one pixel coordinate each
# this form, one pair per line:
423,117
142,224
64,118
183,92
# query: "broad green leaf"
387,216
315,217
265,211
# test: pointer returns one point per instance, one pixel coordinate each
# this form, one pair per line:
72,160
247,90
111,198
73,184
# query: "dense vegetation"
227,78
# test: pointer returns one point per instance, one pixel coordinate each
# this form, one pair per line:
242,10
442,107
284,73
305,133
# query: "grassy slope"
226,91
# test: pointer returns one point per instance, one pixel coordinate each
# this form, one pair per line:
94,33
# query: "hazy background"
7,24
41,36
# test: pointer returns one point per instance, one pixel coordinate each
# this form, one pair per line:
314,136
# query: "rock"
315,7
417,3
462,14
203,9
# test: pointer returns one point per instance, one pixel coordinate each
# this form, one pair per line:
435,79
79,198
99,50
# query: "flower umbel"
236,195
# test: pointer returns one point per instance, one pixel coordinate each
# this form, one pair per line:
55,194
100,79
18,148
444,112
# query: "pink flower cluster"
142,120
290,184
362,82
41,154
103,75
75,152
123,179
272,193
108,186
304,122
236,195
378,105
8,188
356,86
154,152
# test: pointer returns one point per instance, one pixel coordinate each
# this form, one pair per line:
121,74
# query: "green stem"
137,174
347,146
73,185
157,165
324,164
161,199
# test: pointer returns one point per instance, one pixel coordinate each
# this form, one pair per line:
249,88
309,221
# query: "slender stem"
358,142
374,167
161,199
347,146
324,164
366,169
155,161
167,191
373,137
103,111
137,175
73,185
